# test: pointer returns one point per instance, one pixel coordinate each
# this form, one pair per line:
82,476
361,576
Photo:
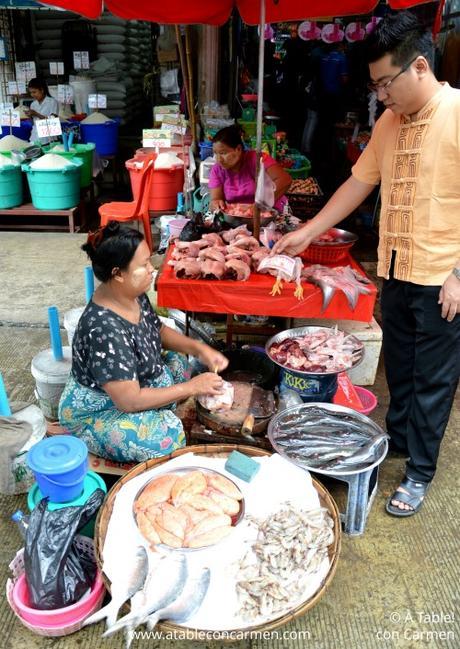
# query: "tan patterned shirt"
418,164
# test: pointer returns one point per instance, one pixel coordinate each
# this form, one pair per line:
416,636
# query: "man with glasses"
414,152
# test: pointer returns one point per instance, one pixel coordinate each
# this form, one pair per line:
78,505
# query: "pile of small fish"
328,440
229,255
291,546
191,510
158,587
339,278
324,350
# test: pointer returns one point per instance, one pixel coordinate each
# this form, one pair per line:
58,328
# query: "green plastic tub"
54,189
82,151
302,169
10,186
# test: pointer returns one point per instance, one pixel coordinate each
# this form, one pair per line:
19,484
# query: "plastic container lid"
92,482
57,455
47,369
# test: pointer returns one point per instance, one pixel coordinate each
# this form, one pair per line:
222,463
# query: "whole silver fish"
164,584
188,602
129,578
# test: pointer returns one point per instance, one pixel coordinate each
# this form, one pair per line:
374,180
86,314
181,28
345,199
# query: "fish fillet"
190,483
158,491
209,538
225,486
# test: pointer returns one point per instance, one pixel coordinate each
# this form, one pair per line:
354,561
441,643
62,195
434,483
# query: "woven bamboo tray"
222,450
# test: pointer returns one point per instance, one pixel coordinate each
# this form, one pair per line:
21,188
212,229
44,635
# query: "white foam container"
22,475
71,319
50,378
370,333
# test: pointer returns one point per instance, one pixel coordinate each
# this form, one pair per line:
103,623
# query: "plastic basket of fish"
305,197
331,247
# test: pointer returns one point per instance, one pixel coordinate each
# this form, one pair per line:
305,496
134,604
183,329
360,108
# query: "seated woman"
121,394
233,178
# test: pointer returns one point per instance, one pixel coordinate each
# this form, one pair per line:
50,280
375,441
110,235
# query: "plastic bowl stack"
57,622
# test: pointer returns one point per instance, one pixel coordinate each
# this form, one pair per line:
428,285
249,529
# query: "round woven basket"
223,450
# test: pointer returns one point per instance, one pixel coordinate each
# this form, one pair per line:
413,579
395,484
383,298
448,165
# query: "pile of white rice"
96,118
51,161
5,161
11,142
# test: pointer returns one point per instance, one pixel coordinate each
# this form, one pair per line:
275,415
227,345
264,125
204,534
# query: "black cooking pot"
251,365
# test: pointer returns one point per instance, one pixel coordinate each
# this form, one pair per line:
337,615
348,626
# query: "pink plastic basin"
368,399
59,617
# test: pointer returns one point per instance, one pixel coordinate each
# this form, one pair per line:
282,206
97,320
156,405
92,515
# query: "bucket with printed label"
50,378
71,319
311,388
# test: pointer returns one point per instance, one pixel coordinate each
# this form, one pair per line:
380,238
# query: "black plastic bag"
57,574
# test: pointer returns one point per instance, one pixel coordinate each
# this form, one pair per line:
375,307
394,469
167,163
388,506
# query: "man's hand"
293,243
449,297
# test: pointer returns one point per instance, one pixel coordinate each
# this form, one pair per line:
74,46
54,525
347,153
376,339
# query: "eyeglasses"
375,87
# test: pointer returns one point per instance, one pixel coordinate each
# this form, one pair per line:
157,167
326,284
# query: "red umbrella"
211,12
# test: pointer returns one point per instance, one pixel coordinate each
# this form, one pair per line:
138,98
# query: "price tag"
97,101
48,127
81,60
25,71
3,56
10,118
156,137
16,88
65,93
56,67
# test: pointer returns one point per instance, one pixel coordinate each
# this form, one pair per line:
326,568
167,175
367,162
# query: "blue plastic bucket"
92,482
22,132
59,464
311,387
10,186
104,136
55,189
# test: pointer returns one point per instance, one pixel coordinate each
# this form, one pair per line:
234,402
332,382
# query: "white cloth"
49,106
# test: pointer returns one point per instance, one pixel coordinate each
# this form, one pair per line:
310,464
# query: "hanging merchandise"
309,31
354,32
169,83
373,24
332,33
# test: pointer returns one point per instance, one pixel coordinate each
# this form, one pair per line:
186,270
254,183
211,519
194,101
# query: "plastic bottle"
22,522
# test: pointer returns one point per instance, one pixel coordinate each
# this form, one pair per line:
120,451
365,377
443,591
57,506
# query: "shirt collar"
431,103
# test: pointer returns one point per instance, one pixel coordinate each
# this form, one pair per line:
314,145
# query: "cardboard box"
167,56
370,333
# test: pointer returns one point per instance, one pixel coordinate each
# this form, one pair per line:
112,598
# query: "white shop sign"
16,87
156,137
10,118
97,101
25,71
56,67
81,60
65,93
48,127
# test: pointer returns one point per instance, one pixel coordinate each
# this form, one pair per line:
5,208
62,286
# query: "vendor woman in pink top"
233,178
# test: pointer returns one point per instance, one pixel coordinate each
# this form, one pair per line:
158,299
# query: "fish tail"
109,611
129,620
152,620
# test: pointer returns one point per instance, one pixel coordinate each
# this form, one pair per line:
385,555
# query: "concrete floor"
393,584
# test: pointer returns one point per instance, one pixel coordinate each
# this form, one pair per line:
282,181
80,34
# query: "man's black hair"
401,35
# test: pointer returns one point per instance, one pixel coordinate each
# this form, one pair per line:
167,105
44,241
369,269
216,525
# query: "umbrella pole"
188,54
183,66
260,101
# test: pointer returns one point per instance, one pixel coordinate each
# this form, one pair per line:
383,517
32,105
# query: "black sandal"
414,498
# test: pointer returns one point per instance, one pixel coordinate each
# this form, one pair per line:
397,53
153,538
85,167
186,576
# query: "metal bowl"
302,331
236,519
340,410
343,236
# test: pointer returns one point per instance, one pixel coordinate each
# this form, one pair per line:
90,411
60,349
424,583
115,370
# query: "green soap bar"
242,466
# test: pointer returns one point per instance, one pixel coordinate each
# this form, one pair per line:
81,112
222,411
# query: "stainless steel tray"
302,331
343,236
359,417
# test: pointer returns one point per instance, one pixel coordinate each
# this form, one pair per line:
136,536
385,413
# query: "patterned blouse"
106,347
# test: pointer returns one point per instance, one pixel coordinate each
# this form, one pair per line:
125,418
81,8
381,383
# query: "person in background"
414,152
121,394
43,106
233,178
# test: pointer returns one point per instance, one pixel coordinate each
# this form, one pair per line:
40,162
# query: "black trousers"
422,363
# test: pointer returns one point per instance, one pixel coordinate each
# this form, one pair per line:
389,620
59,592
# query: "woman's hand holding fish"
207,383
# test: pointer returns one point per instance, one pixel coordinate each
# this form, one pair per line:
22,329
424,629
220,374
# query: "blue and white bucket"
312,387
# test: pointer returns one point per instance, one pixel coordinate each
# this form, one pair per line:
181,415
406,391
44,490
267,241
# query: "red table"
253,297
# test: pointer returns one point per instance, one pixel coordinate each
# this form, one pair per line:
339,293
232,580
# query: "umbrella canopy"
211,12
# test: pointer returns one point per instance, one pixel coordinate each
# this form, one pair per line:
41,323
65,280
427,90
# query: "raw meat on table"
342,278
237,269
